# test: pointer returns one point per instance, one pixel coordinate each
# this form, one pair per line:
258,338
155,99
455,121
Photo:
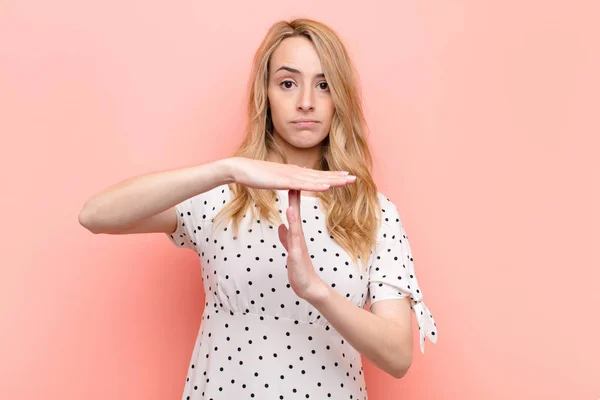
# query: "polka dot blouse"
257,338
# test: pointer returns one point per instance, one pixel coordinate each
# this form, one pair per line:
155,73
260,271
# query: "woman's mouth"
305,123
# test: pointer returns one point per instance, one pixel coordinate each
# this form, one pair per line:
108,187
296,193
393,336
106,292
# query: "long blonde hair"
353,211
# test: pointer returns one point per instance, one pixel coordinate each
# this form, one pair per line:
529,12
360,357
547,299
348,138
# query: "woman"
285,311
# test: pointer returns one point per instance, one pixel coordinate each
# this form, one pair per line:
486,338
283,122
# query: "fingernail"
350,178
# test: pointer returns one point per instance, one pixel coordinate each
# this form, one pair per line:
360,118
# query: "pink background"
484,126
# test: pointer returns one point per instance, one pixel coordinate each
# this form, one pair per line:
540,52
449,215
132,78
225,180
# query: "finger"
283,235
322,184
318,173
295,221
291,200
325,175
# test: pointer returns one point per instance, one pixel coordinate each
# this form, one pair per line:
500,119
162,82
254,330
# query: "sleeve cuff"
426,323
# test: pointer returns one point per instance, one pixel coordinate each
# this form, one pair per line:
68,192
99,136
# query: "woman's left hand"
302,276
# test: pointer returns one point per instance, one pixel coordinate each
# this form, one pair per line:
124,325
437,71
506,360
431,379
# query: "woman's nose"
306,101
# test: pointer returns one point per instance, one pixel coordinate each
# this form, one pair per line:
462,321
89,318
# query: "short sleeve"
392,274
184,235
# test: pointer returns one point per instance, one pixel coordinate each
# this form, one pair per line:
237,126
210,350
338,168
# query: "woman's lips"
305,124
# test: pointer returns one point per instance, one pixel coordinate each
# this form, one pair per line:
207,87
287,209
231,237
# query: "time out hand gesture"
302,276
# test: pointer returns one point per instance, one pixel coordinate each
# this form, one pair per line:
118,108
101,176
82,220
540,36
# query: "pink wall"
484,126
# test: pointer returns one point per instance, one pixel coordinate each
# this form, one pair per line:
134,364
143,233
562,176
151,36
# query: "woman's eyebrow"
295,71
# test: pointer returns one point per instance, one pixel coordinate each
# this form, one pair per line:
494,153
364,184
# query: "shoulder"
389,209
384,200
216,194
209,200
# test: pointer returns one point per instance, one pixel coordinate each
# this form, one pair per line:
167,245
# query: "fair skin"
384,335
297,89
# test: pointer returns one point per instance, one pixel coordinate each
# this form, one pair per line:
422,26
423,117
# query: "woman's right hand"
260,174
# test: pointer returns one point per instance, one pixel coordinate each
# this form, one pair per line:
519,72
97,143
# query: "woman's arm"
121,206
384,338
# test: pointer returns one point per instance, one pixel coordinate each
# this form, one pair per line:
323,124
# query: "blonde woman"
294,238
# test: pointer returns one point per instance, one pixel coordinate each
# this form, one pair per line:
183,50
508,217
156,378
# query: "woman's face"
297,90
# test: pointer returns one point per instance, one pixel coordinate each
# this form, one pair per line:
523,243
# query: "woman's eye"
288,85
